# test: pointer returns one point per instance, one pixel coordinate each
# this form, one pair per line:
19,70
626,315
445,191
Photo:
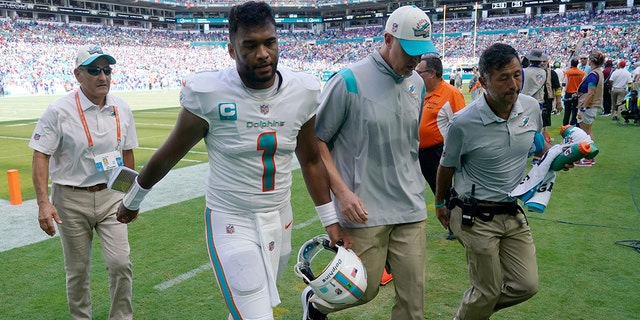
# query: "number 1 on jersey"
268,143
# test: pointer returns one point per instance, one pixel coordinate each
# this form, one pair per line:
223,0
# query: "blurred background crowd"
36,57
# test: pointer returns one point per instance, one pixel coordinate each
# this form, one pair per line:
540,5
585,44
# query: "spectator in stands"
30,48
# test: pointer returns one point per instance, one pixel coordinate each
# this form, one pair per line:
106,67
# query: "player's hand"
47,214
443,216
338,234
352,208
125,215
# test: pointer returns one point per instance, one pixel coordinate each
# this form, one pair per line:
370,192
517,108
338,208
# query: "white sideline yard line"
15,138
154,149
181,278
21,124
190,274
305,224
155,124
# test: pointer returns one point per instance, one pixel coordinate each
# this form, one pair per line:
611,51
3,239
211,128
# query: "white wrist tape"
327,214
134,197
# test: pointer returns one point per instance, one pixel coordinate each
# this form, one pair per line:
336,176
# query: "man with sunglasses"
584,64
78,141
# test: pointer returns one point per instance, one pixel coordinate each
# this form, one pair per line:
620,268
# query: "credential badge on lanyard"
104,161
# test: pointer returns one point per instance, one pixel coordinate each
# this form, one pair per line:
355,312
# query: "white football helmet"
342,281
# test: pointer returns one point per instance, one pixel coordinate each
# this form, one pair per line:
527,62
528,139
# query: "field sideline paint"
185,276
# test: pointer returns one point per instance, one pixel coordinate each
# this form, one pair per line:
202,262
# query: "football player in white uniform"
252,118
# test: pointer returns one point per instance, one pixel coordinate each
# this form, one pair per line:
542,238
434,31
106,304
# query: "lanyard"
86,127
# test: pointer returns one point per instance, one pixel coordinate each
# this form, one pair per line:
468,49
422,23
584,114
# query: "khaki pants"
404,247
501,260
617,97
81,213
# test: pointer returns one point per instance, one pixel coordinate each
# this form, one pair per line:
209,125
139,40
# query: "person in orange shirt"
572,78
441,101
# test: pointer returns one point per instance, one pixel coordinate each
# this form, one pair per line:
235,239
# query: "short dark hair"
250,14
433,63
496,57
574,62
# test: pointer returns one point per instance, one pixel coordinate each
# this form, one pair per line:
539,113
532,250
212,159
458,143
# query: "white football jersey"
251,138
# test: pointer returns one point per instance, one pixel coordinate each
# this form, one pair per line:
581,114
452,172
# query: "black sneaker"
451,236
309,311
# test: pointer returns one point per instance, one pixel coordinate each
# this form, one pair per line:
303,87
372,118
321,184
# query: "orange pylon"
15,195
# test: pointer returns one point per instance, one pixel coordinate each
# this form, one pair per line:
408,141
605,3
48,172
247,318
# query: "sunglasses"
94,71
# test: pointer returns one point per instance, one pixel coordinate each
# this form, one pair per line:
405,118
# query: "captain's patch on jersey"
228,111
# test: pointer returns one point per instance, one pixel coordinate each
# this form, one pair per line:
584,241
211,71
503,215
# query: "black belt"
96,188
485,210
496,208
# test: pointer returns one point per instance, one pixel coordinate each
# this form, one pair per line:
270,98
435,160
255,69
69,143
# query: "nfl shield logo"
272,245
36,136
264,108
230,229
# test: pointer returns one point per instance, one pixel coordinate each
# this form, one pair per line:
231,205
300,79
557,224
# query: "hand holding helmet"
342,281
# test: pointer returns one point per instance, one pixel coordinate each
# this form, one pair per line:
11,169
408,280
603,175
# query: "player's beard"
257,78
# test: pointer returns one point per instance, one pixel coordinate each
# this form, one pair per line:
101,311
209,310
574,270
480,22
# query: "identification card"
108,161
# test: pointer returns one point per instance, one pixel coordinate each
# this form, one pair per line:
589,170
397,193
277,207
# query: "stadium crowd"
34,55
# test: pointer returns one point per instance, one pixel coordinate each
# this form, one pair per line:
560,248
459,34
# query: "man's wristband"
134,197
327,214
440,205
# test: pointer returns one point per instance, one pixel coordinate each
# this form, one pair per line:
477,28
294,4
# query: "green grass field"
584,274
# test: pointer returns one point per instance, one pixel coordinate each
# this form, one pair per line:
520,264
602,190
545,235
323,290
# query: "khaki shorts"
589,116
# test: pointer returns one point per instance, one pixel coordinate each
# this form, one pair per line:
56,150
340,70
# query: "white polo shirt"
60,134
620,78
